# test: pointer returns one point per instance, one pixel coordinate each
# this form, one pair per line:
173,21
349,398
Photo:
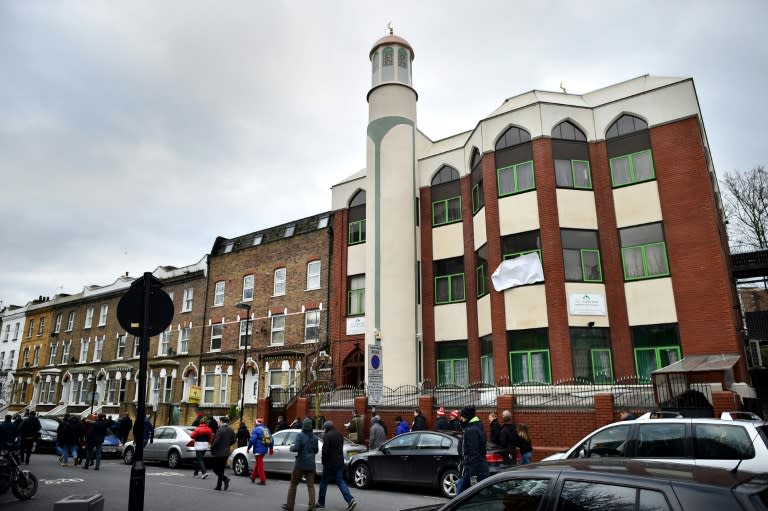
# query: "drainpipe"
205,317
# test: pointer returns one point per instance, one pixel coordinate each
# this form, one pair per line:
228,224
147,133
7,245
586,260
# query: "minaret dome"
391,58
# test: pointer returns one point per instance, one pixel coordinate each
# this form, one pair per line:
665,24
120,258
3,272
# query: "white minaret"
391,241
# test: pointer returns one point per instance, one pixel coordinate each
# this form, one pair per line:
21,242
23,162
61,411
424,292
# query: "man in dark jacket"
442,423
508,437
66,440
29,432
305,447
223,439
474,467
495,427
94,441
333,467
7,431
125,427
419,421
281,424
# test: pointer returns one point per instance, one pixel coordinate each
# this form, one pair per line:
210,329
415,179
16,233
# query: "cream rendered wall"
552,115
518,213
428,167
356,259
527,117
450,322
484,316
637,204
386,101
447,241
478,224
526,307
576,209
650,302
397,267
657,106
342,193
589,288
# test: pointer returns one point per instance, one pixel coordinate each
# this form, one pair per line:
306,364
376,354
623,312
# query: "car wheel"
361,476
448,483
174,459
128,455
240,465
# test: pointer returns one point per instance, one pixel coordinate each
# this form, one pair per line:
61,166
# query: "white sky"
134,133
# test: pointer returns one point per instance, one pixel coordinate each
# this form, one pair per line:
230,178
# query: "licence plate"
109,449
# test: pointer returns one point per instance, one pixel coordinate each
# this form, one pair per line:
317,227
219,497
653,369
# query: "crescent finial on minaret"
389,26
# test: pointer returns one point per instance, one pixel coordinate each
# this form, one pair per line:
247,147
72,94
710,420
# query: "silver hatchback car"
171,444
282,459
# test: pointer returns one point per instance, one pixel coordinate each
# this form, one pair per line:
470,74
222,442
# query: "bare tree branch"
746,206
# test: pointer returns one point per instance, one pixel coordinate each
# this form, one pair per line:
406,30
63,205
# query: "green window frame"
356,296
446,211
453,371
522,367
518,254
579,171
482,280
648,359
632,168
585,277
509,178
456,291
643,252
602,365
356,232
477,197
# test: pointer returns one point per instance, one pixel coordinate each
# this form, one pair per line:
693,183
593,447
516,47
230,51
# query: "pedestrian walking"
442,424
402,426
281,424
355,427
94,441
149,431
203,437
524,444
378,435
306,447
419,421
261,443
474,467
223,439
243,435
7,431
125,425
213,423
333,467
455,422
29,432
78,425
495,427
508,438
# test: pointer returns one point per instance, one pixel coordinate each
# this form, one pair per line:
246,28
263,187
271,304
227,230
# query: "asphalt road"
177,490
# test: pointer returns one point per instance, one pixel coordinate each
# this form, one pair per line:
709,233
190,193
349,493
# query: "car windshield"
49,424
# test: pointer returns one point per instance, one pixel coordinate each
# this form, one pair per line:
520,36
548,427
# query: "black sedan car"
420,458
610,484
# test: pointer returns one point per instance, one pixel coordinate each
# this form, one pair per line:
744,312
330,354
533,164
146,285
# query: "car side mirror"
384,449
583,451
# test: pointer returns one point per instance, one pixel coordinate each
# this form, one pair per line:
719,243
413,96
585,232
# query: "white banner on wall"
356,325
587,304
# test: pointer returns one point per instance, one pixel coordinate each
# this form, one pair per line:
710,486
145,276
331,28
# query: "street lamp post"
247,307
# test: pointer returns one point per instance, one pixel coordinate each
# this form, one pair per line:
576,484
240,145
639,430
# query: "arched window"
625,125
356,233
566,130
513,136
478,199
446,196
630,156
514,162
571,155
446,174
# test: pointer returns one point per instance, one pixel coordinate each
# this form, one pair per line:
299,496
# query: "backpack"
266,438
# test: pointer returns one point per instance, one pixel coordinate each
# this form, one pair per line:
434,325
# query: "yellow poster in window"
194,395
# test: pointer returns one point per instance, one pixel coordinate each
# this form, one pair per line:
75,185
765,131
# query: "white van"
705,442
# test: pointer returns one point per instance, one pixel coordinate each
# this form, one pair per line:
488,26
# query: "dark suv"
613,485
